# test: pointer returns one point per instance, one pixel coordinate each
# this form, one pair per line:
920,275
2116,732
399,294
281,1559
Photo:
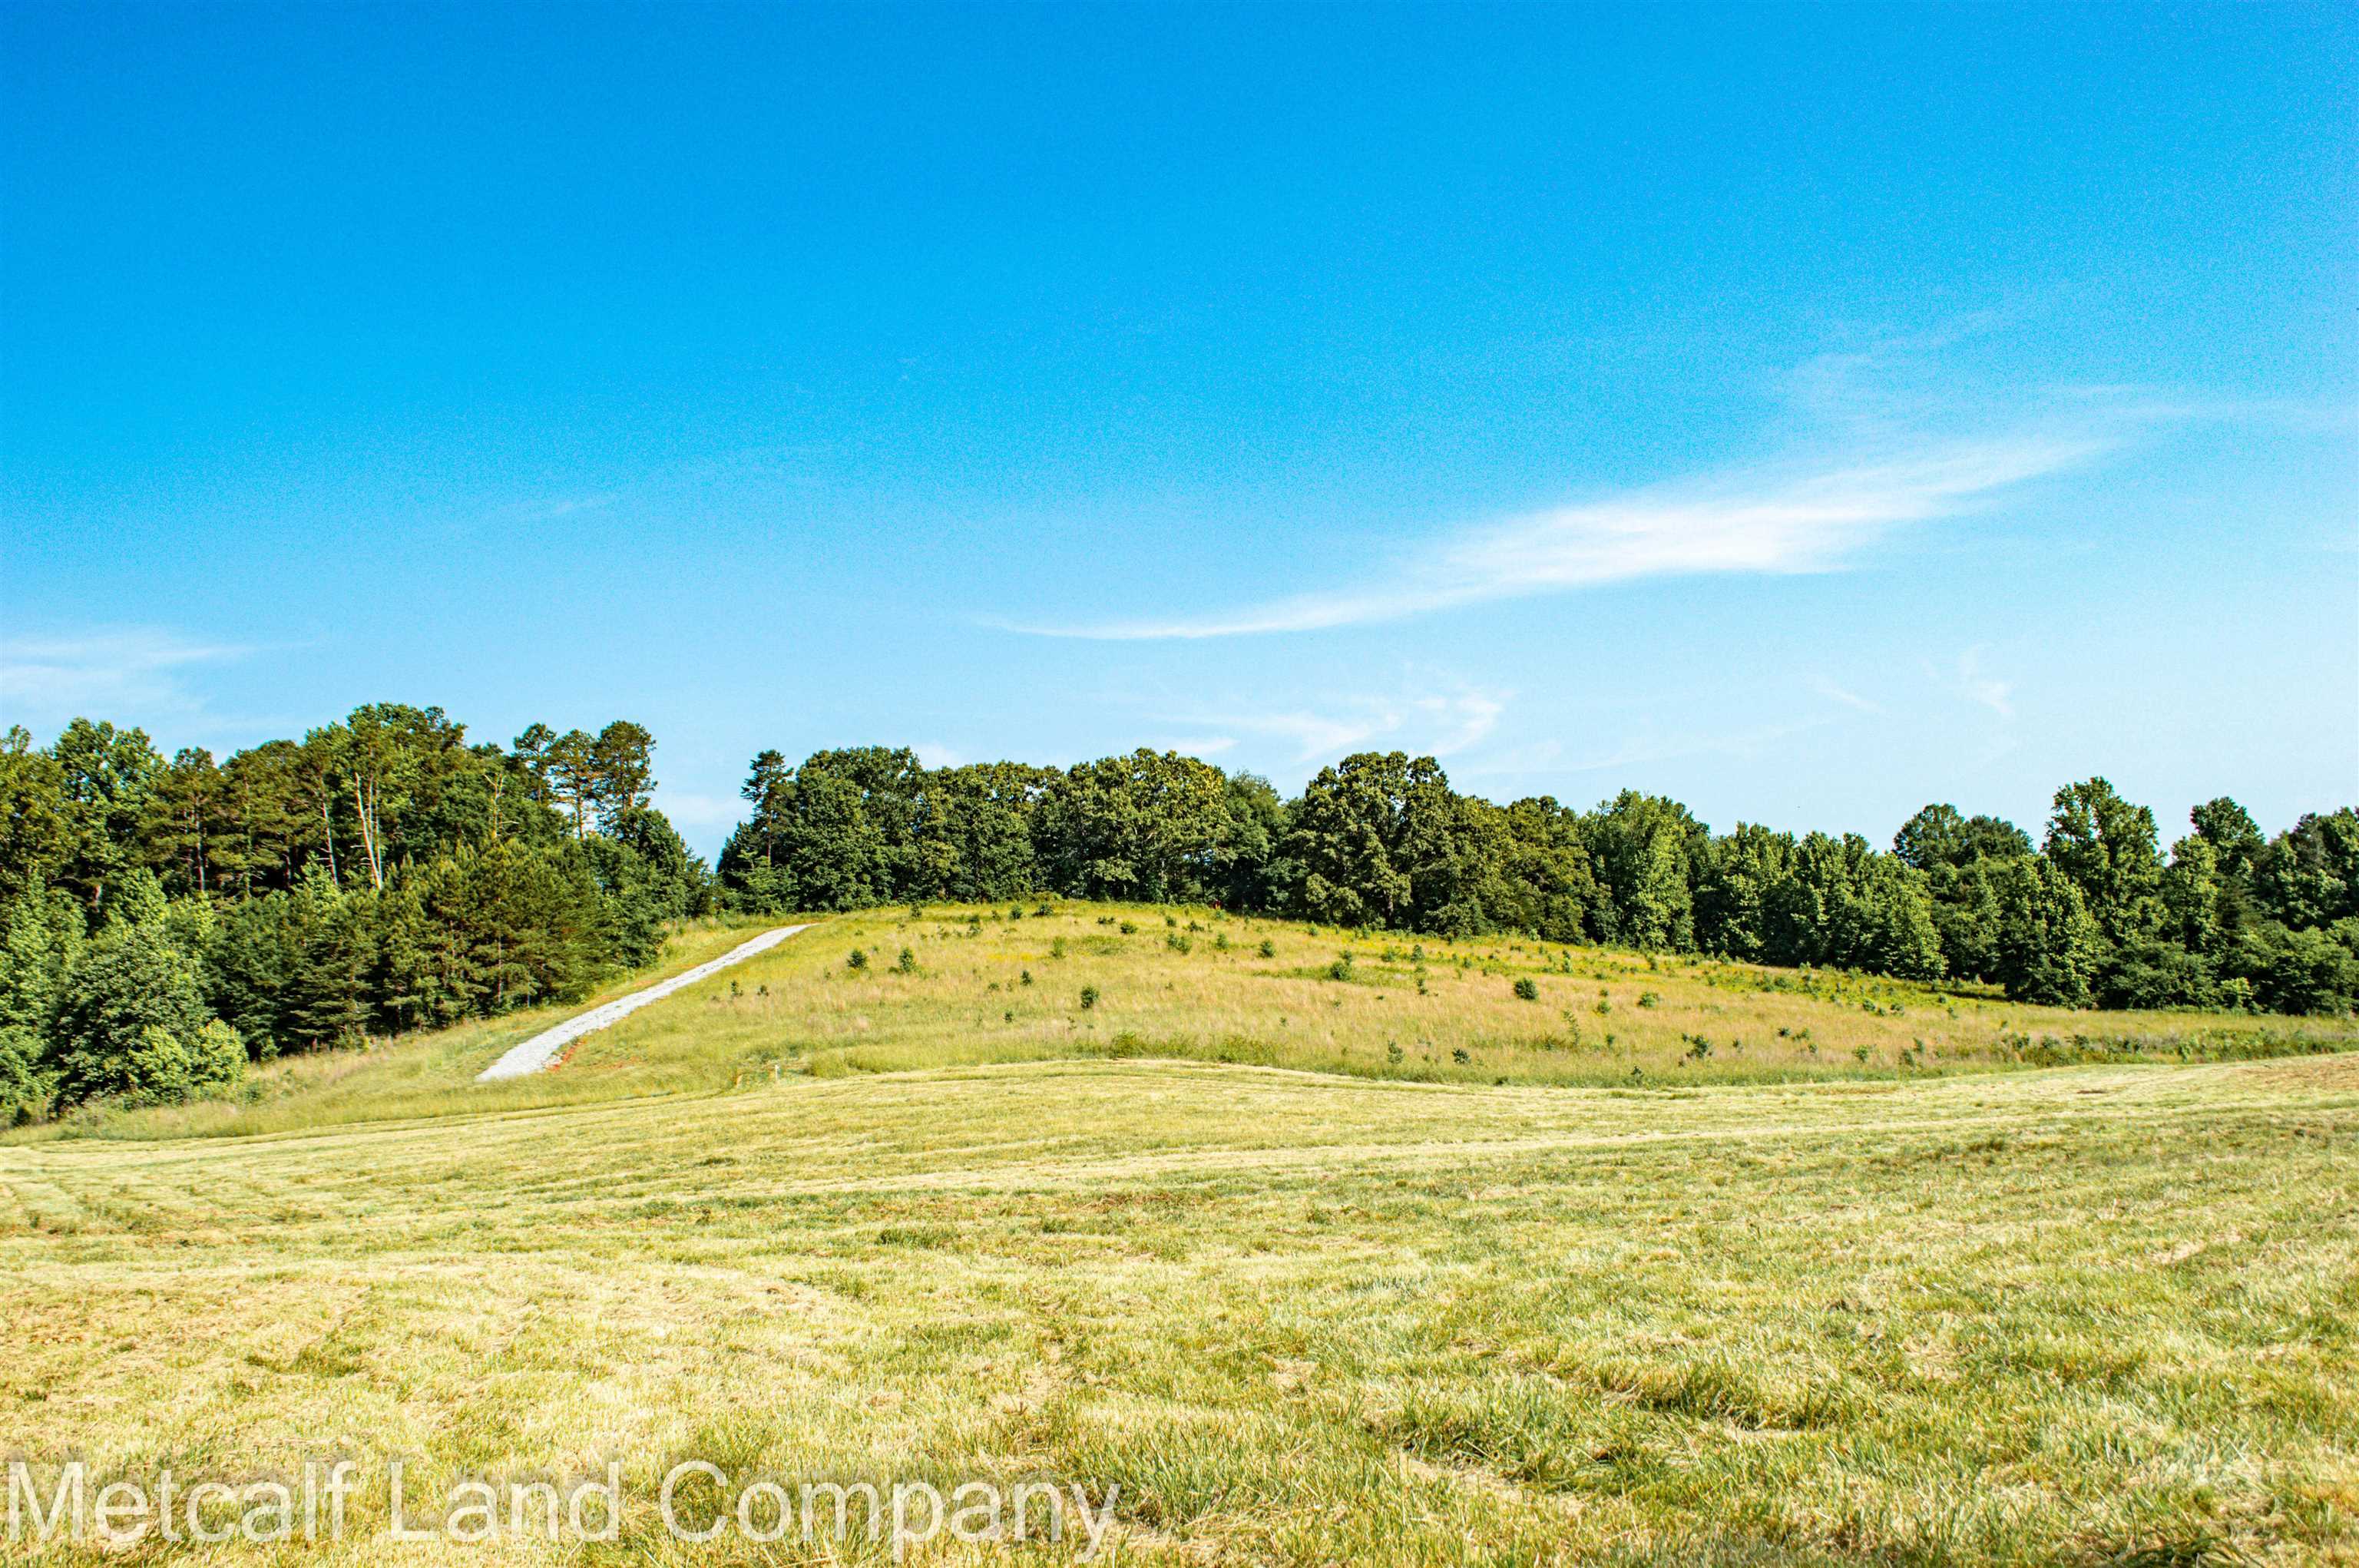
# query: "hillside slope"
1078,980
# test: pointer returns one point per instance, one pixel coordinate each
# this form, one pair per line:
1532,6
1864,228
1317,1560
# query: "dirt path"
542,1048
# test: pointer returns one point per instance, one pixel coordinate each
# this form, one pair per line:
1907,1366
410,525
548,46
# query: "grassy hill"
1198,986
1207,1240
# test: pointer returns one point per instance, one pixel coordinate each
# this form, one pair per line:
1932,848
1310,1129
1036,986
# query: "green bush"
25,1086
1528,989
130,980
1089,997
161,1067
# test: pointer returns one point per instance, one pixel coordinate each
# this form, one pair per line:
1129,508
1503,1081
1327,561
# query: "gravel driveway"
542,1048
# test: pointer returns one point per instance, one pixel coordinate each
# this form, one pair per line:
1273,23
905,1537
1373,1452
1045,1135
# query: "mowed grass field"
1764,1303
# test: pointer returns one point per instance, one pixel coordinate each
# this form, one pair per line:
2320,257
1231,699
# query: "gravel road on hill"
538,1052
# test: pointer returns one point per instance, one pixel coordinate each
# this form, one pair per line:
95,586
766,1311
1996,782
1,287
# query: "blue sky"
1809,413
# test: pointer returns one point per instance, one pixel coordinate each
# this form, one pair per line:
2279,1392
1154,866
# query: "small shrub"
856,960
1177,943
907,962
1128,928
1267,949
1528,989
1026,979
1089,997
1056,948
1460,1056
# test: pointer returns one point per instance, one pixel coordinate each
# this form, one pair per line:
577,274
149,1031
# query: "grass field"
1197,986
1771,1302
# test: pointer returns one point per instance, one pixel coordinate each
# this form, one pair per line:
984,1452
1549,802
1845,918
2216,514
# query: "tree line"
2093,914
163,921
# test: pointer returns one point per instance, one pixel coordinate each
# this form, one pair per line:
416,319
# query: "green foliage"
1089,997
1645,849
35,833
1528,989
384,873
131,1005
43,933
380,875
1382,841
2294,971
27,1085
1152,826
2106,847
2048,944
161,1067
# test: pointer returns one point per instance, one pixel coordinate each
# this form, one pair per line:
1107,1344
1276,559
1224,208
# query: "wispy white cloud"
1434,722
1978,686
135,672
1315,735
1889,384
1834,694
1463,718
551,510
1763,521
2135,403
